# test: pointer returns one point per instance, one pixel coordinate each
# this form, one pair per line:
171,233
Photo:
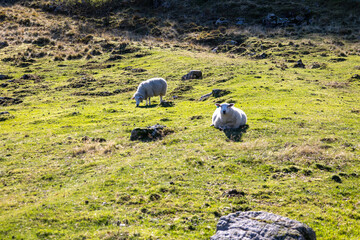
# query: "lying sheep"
227,116
150,88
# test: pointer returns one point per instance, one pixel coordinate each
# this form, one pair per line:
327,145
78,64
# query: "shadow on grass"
148,106
235,134
162,104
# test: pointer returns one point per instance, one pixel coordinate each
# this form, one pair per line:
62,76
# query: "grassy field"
69,170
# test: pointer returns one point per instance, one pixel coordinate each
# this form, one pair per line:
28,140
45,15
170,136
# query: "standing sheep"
150,88
227,116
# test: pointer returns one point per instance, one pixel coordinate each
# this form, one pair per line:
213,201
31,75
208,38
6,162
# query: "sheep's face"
138,99
224,108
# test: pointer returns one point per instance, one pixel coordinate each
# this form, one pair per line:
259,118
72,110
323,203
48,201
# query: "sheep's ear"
231,104
217,105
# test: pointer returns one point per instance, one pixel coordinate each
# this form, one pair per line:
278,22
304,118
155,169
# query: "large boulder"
261,226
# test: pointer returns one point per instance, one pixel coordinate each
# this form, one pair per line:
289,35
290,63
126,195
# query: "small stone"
7,101
167,104
193,74
233,193
204,97
4,77
299,64
219,93
154,197
240,21
3,44
222,21
336,179
356,76
230,42
150,133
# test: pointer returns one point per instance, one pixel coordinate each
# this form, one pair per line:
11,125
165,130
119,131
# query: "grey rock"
193,74
222,21
150,133
356,76
59,9
7,101
283,21
216,93
4,77
219,93
230,42
262,56
5,116
240,21
261,226
167,104
272,20
3,44
299,64
204,97
336,179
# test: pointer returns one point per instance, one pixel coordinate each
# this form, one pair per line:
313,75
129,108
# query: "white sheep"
150,88
227,116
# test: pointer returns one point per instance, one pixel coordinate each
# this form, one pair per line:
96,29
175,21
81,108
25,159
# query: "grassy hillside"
69,170
211,22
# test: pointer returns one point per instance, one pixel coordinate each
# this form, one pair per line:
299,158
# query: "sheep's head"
138,99
225,107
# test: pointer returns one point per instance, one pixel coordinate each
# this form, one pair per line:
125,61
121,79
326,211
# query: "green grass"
303,130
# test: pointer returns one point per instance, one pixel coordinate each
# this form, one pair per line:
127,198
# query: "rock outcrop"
261,226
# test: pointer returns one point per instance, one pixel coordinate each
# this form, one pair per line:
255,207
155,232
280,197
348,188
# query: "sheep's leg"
149,102
160,99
